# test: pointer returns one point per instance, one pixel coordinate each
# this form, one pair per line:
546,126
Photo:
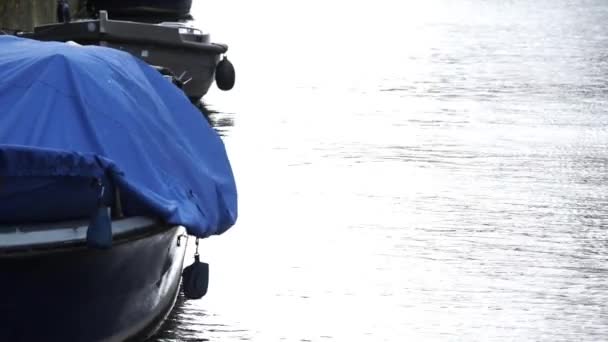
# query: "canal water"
410,171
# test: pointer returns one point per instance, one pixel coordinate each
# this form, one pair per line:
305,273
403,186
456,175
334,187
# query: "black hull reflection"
80,294
220,122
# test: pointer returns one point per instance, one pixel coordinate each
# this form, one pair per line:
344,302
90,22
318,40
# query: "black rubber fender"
195,279
224,74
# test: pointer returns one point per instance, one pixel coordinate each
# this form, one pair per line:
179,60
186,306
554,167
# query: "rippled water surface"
410,171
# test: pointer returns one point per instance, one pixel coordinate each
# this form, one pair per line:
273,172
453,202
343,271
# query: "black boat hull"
82,294
194,65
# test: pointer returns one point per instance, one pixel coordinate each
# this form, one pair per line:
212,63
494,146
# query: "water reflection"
188,322
170,329
220,121
176,326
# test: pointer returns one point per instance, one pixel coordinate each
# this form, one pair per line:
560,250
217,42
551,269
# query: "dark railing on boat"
141,8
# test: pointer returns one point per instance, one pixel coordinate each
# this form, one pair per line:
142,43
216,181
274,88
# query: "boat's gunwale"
114,31
33,239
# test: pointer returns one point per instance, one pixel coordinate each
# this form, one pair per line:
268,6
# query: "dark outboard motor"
63,11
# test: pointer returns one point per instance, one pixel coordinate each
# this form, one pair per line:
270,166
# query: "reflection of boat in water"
104,169
177,46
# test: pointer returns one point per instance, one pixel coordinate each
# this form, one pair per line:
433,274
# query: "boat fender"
225,74
99,232
195,278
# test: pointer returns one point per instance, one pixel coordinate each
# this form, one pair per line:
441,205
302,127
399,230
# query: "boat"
106,171
182,49
61,290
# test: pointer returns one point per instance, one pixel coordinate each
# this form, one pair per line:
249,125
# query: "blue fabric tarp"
73,115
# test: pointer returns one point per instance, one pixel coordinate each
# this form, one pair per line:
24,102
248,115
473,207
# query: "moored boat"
105,169
183,49
70,292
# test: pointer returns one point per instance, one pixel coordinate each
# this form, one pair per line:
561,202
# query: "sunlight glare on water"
410,171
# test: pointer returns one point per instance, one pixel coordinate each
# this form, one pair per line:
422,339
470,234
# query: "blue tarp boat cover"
74,117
